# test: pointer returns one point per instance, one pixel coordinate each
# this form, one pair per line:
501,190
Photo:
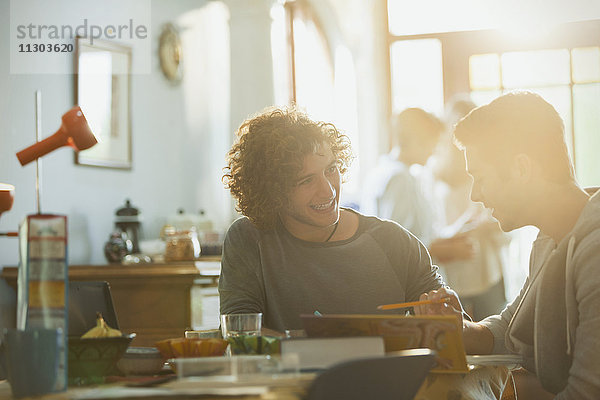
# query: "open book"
442,333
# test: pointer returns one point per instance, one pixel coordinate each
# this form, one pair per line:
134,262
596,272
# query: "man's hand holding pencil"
440,301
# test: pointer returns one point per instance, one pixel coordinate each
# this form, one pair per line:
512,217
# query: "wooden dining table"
480,383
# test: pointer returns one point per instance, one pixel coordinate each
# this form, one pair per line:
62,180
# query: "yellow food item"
101,329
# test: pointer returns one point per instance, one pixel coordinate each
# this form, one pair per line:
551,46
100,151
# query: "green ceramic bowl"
91,359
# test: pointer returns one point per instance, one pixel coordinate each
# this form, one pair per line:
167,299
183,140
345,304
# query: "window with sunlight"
487,49
568,78
417,78
320,78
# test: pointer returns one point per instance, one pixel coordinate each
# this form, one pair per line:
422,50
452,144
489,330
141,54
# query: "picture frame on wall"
102,90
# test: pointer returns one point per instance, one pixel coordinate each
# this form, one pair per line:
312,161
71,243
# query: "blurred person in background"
399,188
469,246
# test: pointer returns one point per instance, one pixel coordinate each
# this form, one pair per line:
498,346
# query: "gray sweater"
555,321
283,277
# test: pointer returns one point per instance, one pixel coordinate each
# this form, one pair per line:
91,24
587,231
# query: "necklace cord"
333,231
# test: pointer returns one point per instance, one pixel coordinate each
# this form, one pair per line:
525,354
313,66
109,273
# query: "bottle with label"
42,295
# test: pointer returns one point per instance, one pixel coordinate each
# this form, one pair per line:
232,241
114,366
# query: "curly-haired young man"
296,250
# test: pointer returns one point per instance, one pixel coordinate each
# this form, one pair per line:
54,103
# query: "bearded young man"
295,250
516,153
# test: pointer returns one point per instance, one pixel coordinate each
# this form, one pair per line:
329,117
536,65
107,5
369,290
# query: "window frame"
458,47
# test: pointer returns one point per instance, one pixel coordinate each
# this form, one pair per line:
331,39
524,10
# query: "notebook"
441,333
321,353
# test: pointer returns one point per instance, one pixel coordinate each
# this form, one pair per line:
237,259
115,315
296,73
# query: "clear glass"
586,64
536,68
182,246
417,77
587,137
241,324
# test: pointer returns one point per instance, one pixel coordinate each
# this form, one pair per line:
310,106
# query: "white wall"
175,129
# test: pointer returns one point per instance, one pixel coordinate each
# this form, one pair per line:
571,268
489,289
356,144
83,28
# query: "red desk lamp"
74,131
7,193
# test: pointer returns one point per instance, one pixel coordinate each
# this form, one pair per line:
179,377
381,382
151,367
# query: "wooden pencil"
412,304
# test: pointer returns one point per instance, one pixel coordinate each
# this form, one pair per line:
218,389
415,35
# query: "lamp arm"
39,149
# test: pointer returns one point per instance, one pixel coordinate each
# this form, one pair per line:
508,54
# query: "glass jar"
182,246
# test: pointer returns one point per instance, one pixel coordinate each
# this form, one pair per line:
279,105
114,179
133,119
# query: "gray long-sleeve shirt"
554,322
283,277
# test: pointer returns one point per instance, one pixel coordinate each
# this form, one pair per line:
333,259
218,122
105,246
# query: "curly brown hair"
268,155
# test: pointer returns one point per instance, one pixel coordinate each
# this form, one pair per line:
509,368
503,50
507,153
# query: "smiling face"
499,193
313,202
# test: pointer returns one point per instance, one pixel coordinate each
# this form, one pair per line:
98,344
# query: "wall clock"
170,53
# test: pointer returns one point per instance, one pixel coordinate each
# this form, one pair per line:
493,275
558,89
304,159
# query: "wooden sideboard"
152,300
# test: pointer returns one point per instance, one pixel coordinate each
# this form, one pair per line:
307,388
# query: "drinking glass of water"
233,325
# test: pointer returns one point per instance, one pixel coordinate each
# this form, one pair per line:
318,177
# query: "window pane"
346,112
426,16
535,68
417,75
586,64
560,98
429,16
484,96
484,71
314,73
586,100
280,56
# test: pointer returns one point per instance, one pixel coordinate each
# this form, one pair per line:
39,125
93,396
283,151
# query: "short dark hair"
264,162
518,122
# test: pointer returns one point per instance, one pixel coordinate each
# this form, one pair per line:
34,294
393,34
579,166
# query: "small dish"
205,334
182,347
510,361
141,361
226,368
